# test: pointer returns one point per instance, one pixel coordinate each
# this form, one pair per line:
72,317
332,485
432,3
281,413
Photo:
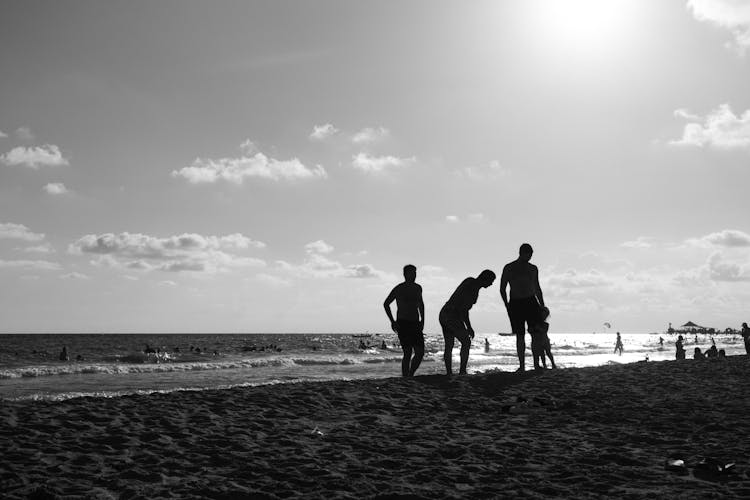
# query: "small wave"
116,369
325,361
62,396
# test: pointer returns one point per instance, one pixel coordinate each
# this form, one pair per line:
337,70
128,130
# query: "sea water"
110,365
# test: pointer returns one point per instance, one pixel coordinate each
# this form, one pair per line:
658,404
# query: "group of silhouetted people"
525,308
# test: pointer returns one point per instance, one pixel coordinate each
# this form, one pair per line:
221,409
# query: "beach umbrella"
690,324
607,325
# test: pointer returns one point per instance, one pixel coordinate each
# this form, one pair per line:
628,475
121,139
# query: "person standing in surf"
746,337
526,299
409,322
618,344
454,318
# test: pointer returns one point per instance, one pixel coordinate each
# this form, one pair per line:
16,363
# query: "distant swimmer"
618,344
454,318
409,322
526,299
679,348
661,342
486,345
64,354
746,337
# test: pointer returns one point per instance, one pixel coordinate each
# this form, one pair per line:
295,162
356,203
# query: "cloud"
721,129
74,276
573,279
721,270
367,163
249,165
185,252
8,230
323,132
686,115
317,265
55,188
39,265
3,134
733,15
43,248
640,242
319,246
47,155
248,147
369,135
472,218
726,238
490,171
167,283
24,134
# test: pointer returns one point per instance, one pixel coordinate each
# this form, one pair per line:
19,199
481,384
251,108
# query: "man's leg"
521,350
447,355
465,346
518,326
406,360
418,355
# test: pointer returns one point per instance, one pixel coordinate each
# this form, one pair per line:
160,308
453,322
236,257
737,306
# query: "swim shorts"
524,312
453,325
410,333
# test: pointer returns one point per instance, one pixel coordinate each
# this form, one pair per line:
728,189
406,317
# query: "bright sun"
583,26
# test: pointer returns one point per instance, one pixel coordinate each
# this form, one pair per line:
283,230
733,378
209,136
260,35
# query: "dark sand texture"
584,433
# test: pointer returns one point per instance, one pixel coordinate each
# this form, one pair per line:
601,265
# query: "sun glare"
583,26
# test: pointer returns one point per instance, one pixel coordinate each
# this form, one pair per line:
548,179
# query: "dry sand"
585,433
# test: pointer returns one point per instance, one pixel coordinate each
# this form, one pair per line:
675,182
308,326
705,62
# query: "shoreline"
583,432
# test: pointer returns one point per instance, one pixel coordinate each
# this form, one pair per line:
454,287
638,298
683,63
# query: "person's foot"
521,369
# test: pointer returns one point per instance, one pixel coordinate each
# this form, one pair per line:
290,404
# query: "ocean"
111,365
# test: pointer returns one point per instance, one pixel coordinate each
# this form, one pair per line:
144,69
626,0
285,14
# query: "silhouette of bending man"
454,318
526,300
409,322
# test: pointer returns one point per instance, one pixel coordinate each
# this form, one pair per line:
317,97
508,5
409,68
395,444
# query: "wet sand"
580,433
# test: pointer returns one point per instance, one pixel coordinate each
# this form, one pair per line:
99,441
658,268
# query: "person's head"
722,353
525,252
679,337
410,272
697,350
486,278
744,325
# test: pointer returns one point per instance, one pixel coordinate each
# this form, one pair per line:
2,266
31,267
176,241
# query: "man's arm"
539,295
503,286
420,307
387,306
468,324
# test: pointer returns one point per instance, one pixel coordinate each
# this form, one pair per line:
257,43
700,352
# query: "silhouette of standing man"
409,322
526,300
454,318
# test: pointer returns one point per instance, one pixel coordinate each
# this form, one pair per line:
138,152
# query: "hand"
421,326
394,326
471,333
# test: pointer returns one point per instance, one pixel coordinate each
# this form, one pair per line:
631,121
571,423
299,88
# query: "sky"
233,166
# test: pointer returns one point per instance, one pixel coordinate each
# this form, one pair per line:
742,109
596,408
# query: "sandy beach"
573,433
